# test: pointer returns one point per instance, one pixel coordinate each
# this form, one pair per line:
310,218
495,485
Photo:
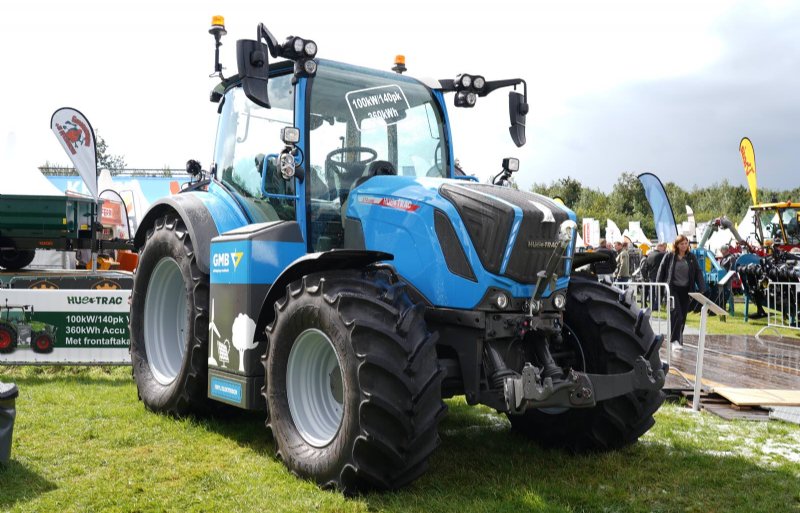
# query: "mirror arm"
272,43
497,84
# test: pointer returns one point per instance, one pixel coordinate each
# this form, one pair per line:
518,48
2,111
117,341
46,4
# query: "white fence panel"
782,305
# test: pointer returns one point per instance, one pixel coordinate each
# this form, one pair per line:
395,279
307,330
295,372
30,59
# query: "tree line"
627,201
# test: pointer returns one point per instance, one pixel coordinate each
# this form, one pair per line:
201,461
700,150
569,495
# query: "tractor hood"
487,236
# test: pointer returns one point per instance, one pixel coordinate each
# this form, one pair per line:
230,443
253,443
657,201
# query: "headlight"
310,66
286,165
298,44
479,82
559,301
501,301
463,81
310,48
471,99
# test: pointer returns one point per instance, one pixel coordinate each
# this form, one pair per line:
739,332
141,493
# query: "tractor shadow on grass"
483,466
18,484
246,428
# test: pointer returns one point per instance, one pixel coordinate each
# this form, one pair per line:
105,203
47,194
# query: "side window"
248,137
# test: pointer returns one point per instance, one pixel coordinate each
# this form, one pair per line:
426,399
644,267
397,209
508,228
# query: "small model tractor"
339,272
16,327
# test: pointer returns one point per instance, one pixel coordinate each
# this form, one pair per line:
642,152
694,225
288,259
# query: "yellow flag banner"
749,162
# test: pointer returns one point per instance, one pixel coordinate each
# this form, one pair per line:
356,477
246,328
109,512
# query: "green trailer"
65,223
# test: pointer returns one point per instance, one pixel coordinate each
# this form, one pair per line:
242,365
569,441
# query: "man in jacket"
605,269
623,270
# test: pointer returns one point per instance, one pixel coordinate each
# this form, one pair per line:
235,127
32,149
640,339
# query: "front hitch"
578,389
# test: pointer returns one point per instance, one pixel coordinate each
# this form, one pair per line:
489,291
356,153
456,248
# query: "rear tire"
169,323
16,259
353,385
8,338
42,342
604,324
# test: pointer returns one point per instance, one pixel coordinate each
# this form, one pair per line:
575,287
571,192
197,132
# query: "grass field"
83,442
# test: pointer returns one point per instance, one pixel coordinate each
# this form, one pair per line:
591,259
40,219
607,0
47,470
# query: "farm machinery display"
336,272
17,329
66,223
777,231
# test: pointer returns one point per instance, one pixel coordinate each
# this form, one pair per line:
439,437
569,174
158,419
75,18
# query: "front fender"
333,260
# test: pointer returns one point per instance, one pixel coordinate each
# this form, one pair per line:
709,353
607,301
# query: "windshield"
782,225
358,116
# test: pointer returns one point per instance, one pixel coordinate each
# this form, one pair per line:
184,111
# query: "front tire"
353,385
42,342
169,323
603,324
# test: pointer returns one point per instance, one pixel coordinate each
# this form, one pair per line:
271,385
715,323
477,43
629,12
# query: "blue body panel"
244,262
405,228
227,213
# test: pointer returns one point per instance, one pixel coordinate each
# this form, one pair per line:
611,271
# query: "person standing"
605,269
623,271
650,271
653,261
679,269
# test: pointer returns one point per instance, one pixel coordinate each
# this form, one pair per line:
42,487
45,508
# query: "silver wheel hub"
165,321
314,388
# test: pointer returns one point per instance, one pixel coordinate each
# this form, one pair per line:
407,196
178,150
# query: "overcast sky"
666,87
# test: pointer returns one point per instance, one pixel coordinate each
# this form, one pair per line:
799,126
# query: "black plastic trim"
454,255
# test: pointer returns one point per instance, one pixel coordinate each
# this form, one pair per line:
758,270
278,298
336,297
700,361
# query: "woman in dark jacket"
680,270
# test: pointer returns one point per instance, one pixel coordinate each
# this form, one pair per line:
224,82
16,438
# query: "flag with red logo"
76,136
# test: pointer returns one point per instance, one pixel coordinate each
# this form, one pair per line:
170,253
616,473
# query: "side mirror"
253,65
517,109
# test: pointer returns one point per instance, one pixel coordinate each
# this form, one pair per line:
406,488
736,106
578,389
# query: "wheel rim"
314,388
43,342
5,338
165,321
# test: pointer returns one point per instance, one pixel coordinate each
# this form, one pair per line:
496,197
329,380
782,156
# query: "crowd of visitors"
677,267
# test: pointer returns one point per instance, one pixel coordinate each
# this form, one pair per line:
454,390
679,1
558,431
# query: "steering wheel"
349,169
436,169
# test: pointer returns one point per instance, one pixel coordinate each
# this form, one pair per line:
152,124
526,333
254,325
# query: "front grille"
491,220
488,223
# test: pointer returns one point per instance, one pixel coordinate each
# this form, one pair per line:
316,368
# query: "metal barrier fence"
657,297
782,306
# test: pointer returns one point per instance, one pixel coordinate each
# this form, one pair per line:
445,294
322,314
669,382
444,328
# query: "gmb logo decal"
224,260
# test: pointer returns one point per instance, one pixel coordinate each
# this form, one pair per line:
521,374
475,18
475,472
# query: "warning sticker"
387,102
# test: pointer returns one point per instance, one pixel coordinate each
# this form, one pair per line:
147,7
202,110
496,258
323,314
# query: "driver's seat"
375,168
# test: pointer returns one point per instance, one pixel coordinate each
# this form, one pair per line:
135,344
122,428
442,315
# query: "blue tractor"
338,272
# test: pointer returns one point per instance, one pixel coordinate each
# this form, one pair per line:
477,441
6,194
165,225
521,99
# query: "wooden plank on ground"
726,412
759,396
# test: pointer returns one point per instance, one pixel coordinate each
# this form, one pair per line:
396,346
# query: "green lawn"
83,442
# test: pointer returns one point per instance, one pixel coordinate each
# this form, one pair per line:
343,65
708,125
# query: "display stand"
701,343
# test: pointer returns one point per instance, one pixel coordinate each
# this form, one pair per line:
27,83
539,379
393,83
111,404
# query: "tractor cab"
295,137
778,222
353,123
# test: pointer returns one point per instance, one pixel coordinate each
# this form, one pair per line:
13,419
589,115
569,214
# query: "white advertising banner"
64,326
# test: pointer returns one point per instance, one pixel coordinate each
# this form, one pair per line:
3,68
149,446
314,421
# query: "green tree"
113,163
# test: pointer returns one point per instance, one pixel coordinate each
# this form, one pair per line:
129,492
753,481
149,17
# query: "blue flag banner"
666,229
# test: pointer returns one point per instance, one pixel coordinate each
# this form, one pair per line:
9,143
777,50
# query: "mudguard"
311,263
194,214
